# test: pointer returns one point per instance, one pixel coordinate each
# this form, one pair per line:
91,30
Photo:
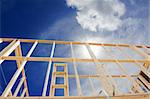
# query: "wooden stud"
48,71
23,92
66,79
76,72
18,52
18,87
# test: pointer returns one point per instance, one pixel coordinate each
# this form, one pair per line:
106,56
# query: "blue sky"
64,20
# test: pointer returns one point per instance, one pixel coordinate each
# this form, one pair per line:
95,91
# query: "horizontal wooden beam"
134,96
59,86
96,76
67,59
66,42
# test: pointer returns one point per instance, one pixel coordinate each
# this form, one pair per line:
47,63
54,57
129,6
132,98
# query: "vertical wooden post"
53,80
18,52
76,72
66,79
48,71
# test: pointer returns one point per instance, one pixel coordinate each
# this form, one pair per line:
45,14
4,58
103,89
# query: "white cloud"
98,15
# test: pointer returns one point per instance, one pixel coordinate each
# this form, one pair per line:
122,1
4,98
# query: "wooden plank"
67,42
23,92
135,96
66,81
59,86
17,73
59,73
18,52
141,84
60,64
18,87
48,71
79,90
5,51
145,82
97,76
53,81
68,59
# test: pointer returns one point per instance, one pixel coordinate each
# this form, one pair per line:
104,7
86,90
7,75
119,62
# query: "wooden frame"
108,83
63,74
